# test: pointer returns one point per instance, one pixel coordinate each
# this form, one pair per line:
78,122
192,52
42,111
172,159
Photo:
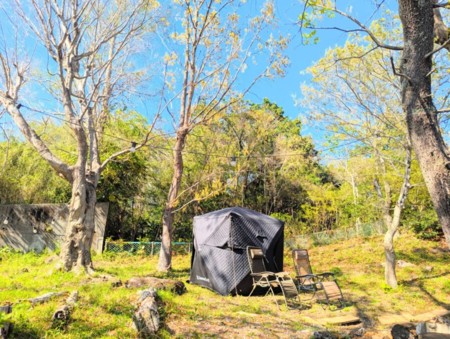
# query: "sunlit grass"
105,311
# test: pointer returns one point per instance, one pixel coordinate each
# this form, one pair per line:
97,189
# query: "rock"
402,263
324,335
443,320
433,327
401,332
174,286
357,332
38,245
116,283
6,308
51,259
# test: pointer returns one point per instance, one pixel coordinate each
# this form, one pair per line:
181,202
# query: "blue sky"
282,91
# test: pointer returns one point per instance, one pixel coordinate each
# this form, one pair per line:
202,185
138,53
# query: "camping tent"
219,259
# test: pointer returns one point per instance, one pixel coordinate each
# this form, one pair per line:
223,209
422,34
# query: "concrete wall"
35,227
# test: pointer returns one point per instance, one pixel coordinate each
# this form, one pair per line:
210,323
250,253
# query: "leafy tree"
123,182
355,99
423,26
253,156
218,46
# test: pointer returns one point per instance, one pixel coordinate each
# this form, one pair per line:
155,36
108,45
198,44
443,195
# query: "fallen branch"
146,317
62,313
46,297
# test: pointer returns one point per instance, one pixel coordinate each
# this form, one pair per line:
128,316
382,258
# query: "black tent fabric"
219,260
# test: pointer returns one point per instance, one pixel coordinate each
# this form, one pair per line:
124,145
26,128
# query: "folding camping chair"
270,280
323,286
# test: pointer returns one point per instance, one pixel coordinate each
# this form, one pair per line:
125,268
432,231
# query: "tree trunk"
76,248
165,254
389,252
392,222
421,115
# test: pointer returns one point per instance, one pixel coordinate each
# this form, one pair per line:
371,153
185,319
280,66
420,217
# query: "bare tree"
219,45
87,44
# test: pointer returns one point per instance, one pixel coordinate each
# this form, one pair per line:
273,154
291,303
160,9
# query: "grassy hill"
104,311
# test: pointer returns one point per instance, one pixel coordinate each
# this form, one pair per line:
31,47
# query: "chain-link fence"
147,248
303,241
328,237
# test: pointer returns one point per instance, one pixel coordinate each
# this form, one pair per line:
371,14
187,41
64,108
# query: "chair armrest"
283,274
263,274
306,276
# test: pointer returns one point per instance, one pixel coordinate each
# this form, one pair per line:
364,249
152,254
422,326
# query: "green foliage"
425,224
353,94
35,182
275,165
277,172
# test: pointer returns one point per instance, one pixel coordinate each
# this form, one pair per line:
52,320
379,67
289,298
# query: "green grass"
104,311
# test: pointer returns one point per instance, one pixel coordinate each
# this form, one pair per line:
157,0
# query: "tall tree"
423,26
359,102
87,44
219,44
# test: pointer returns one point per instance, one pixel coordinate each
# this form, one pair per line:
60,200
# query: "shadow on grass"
365,318
419,282
177,274
420,255
23,331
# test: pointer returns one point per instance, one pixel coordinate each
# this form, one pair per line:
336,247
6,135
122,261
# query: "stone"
428,268
401,332
174,286
433,327
117,283
324,335
357,332
402,263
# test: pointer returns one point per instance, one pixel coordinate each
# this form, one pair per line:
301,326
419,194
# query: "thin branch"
363,28
442,5
444,45
396,73
368,31
335,28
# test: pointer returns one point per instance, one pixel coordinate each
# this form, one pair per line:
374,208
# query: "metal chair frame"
323,286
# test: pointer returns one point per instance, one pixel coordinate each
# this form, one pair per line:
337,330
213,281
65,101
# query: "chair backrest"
255,257
301,262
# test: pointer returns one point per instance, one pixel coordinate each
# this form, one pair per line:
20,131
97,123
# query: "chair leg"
253,290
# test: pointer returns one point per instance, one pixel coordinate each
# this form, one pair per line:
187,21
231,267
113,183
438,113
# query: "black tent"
219,259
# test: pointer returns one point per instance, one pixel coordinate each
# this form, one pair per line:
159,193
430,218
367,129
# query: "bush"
426,226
